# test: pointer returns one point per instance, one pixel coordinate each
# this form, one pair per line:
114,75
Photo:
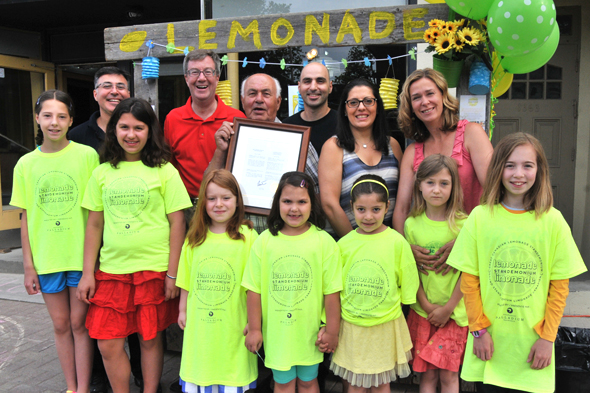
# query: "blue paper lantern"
150,68
479,78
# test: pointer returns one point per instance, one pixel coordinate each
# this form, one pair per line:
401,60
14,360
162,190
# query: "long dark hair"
343,132
156,151
52,95
295,179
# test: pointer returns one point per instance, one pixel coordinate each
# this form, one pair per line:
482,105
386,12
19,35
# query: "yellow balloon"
503,78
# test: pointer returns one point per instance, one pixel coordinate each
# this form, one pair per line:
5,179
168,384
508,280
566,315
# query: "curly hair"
411,126
343,132
156,151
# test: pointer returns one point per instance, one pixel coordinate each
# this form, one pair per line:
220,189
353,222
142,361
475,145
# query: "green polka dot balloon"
473,9
518,27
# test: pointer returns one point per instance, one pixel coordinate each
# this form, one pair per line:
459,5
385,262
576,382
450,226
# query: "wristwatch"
479,333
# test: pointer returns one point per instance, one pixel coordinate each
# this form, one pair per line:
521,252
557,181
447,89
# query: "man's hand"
223,135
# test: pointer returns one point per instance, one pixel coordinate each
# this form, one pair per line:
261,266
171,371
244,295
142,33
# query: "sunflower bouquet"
456,40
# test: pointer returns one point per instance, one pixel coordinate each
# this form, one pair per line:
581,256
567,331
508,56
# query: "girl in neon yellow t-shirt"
135,198
293,273
378,275
517,255
438,322
213,310
49,183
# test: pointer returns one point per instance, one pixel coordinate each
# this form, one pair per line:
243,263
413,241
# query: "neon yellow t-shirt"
50,186
516,256
293,274
378,274
426,233
136,200
214,352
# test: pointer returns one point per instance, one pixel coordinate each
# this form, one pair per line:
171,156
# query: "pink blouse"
469,182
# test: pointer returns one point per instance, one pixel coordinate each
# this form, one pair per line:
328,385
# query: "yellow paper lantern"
223,90
388,92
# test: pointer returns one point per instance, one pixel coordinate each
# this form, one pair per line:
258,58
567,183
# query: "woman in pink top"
430,116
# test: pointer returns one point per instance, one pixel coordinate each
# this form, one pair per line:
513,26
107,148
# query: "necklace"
365,146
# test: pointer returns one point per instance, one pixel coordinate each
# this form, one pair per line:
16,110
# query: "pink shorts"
436,348
130,303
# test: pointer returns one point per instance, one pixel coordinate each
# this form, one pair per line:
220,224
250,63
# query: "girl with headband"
379,274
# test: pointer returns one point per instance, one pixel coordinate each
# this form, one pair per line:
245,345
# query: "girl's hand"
245,330
439,317
253,340
423,258
540,354
483,347
86,288
182,319
329,342
171,291
322,346
442,255
32,282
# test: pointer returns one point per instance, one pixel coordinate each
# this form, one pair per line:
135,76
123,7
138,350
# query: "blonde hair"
413,127
199,225
429,167
540,196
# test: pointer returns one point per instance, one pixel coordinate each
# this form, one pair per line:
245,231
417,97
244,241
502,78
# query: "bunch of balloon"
524,33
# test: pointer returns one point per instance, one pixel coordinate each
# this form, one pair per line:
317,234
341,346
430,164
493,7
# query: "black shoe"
175,386
99,383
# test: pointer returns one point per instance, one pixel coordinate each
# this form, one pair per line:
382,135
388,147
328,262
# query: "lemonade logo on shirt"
127,197
515,270
433,246
366,285
215,281
290,280
56,193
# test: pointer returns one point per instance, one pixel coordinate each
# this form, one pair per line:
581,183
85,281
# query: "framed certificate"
258,155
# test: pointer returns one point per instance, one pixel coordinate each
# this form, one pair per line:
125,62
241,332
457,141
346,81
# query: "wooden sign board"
362,26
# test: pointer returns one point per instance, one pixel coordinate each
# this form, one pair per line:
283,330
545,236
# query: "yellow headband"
371,181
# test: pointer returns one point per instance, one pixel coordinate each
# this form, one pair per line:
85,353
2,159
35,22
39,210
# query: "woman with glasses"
361,146
429,115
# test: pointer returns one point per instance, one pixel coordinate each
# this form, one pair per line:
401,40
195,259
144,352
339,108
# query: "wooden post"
233,74
146,88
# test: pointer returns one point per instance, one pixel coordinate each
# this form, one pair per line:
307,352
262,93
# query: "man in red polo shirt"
190,129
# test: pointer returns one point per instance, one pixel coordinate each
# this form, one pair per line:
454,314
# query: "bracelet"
170,277
479,333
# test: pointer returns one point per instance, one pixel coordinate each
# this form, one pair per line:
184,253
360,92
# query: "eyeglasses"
208,72
354,103
109,86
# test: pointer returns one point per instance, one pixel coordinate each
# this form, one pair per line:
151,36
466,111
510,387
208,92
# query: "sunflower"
437,23
470,35
458,43
460,23
429,37
435,34
444,43
451,27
